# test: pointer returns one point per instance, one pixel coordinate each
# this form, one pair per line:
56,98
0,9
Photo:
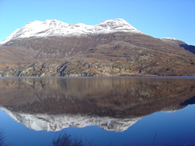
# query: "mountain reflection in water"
111,103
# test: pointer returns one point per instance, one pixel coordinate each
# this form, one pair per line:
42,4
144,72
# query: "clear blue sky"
158,18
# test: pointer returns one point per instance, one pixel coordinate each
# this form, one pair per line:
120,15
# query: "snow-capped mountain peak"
58,28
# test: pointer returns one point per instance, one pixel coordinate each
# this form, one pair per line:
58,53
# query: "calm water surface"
103,111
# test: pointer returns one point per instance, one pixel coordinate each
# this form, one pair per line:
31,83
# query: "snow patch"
170,39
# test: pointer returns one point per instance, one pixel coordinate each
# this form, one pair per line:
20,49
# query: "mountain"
111,48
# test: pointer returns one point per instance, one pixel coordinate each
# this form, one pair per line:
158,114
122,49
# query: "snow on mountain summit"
58,28
115,23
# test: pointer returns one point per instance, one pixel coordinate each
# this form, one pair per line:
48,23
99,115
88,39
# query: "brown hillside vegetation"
113,54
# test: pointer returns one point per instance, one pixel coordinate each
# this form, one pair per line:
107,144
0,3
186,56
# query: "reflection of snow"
172,109
57,122
169,111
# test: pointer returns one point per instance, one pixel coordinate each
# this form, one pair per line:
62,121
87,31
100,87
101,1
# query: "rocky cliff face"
111,48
